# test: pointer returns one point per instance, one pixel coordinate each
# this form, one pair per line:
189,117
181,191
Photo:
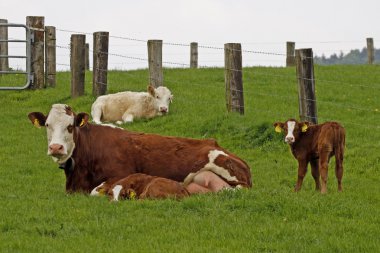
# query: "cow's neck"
68,165
79,177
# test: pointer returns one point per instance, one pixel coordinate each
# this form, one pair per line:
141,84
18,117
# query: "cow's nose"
163,109
289,139
56,149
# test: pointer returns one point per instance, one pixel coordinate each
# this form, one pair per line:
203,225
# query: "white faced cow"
92,154
125,106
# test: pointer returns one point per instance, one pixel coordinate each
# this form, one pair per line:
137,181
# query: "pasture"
38,216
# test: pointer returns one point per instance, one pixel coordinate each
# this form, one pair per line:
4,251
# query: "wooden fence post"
193,55
306,85
4,62
233,77
290,55
50,56
87,56
155,62
36,24
100,63
370,51
77,58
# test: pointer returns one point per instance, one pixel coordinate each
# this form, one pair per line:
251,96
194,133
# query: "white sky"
327,26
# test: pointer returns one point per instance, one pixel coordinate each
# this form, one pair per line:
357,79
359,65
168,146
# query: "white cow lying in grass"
125,106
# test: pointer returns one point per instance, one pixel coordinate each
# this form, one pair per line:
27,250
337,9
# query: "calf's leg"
315,174
302,168
127,117
323,170
339,170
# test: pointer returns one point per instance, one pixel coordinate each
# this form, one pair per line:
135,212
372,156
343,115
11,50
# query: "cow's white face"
162,98
59,126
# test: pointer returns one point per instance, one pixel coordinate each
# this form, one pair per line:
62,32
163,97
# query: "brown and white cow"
125,106
315,144
92,154
141,186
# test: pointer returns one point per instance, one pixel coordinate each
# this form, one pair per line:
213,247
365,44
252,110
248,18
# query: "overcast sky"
327,26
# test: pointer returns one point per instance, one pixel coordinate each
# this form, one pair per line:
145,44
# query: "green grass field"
38,216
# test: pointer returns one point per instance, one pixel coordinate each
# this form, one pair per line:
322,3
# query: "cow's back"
115,105
160,188
331,137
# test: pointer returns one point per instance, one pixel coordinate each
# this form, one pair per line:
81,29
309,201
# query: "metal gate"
28,41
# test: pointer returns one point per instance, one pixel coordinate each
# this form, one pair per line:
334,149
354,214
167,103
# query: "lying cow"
141,186
125,106
91,154
315,144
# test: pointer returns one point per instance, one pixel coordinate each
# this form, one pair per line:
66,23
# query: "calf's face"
292,129
60,124
162,98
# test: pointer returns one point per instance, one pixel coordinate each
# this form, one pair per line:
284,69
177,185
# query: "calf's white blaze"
211,166
95,192
116,192
291,125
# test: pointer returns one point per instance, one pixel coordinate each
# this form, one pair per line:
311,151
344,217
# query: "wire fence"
254,77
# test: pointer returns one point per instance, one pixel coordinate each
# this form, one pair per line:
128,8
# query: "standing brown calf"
315,144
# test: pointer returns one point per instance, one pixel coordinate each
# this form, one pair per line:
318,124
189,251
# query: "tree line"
355,56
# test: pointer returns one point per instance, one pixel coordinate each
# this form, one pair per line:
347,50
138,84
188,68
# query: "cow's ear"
304,126
171,98
38,119
151,90
278,127
81,119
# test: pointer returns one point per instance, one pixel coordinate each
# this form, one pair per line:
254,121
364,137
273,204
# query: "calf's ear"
131,194
278,127
38,119
81,119
151,90
171,98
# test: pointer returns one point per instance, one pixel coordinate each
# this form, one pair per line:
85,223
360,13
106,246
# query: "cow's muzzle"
163,109
56,150
289,139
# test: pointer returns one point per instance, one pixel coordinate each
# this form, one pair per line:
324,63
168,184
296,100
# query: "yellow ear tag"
304,128
132,195
36,123
101,191
278,129
81,123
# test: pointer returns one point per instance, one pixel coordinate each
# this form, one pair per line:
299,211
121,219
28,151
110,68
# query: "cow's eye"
46,125
70,128
157,97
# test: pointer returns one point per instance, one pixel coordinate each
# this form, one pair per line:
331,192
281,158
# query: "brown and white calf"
315,144
91,154
125,106
141,186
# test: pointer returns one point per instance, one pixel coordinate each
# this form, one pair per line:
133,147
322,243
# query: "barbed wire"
245,71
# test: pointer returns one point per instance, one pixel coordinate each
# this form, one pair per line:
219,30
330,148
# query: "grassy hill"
38,216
